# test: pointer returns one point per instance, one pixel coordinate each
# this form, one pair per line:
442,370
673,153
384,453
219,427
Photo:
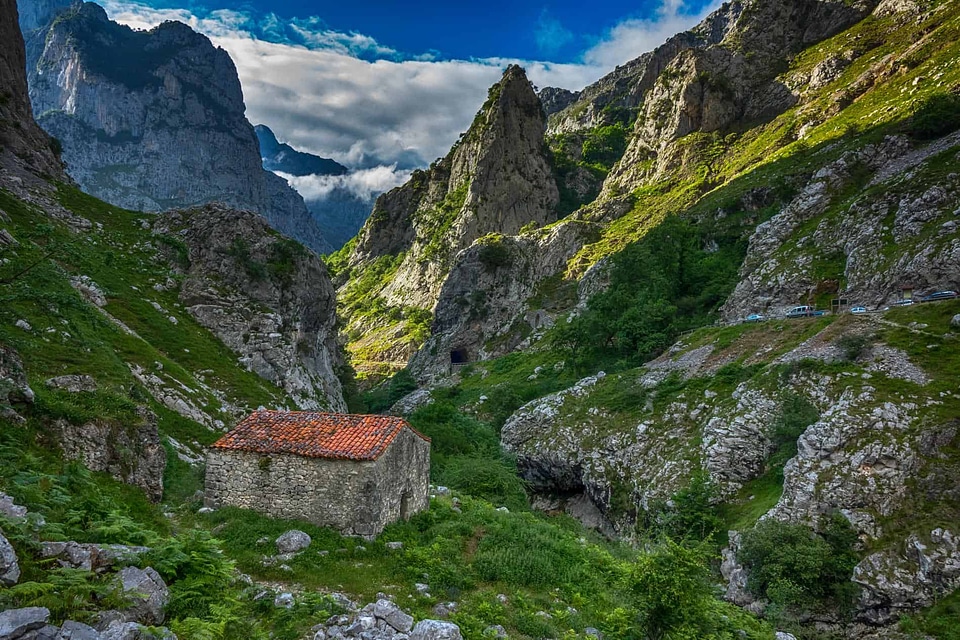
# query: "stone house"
353,473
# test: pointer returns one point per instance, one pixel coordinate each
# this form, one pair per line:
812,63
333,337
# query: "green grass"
941,621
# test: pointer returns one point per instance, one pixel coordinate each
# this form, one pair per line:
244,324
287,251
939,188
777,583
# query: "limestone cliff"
152,120
496,179
22,144
877,448
264,296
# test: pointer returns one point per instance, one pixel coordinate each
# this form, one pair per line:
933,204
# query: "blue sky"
551,31
385,87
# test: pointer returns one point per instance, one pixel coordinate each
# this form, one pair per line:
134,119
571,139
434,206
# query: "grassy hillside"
537,576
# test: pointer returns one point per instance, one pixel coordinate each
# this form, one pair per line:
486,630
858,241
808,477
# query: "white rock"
293,541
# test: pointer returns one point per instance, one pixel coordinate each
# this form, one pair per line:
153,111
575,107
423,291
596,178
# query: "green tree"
672,593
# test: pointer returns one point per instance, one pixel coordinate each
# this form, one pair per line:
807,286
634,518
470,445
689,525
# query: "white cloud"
365,184
346,96
632,37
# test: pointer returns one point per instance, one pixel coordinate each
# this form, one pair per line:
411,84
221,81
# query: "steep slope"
21,141
496,179
847,92
153,120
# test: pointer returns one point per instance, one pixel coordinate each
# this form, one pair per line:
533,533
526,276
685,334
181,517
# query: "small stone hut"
353,473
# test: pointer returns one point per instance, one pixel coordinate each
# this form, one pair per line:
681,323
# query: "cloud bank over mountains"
345,96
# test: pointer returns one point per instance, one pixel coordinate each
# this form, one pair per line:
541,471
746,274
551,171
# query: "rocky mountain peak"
21,141
153,120
496,179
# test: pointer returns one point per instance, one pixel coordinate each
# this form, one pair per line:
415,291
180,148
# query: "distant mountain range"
279,156
340,211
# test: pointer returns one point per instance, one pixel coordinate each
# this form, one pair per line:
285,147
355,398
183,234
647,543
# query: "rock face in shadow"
264,296
23,145
153,120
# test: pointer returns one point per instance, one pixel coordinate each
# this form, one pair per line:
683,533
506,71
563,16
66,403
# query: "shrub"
691,513
795,567
937,115
796,414
490,479
494,253
853,346
672,593
665,284
387,394
604,146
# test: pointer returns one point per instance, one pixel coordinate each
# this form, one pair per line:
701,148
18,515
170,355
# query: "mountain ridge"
159,125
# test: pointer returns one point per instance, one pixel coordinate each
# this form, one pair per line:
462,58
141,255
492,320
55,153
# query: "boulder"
782,635
15,623
9,567
393,616
91,557
293,541
148,593
13,380
435,630
73,384
48,632
77,631
134,631
284,600
495,631
10,509
955,321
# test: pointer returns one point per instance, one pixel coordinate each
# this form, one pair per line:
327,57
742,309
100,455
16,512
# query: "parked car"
804,311
940,295
903,303
858,310
756,317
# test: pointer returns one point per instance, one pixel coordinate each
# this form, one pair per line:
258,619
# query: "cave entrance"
459,356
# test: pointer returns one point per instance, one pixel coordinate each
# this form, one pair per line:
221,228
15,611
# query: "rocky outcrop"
158,122
483,309
264,296
24,147
9,564
131,453
901,236
496,179
554,99
14,388
897,581
383,620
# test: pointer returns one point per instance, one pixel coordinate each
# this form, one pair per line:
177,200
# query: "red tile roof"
315,435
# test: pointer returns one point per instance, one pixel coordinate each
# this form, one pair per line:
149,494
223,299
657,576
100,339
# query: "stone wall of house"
403,473
356,498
